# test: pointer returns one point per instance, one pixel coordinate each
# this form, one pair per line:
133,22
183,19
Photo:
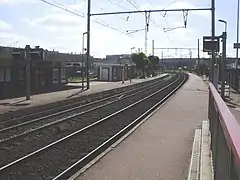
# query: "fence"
225,138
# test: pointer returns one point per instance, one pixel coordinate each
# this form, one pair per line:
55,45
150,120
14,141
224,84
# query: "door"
105,74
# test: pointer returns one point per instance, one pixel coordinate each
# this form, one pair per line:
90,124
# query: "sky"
35,22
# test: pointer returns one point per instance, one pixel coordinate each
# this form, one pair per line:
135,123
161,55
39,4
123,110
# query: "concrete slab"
46,98
205,163
193,173
160,149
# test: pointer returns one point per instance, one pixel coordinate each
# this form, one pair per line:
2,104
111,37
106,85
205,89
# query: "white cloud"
57,22
5,26
188,5
62,31
16,1
13,39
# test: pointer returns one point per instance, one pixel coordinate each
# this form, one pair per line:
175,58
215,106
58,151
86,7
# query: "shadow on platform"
40,91
77,93
18,103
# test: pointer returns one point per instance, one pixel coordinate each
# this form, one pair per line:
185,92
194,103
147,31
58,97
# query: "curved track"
45,110
21,126
72,149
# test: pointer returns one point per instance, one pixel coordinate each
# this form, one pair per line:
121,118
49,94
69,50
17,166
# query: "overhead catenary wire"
102,9
117,4
164,16
80,14
149,2
136,6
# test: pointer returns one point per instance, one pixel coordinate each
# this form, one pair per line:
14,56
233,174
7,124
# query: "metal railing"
225,138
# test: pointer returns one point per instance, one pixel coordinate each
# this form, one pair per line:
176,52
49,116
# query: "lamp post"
83,55
236,62
225,22
27,66
223,59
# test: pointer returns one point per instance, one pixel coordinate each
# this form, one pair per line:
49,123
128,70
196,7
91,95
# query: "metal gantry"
185,11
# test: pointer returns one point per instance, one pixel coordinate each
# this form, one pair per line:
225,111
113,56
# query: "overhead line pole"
198,61
213,36
88,41
212,9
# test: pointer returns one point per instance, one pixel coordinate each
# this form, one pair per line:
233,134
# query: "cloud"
13,39
5,26
15,2
62,31
188,5
57,22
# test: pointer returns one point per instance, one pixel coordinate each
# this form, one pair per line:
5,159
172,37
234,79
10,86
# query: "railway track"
70,144
21,144
44,110
15,128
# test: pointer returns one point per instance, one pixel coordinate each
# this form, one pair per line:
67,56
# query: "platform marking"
193,173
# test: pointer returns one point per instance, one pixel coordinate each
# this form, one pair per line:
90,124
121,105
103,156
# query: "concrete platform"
233,102
46,98
160,149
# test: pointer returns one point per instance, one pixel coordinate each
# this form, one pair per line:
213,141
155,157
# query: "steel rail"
62,120
71,109
68,172
139,85
81,130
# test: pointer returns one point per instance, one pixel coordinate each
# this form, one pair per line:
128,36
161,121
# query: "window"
21,74
2,75
63,75
55,76
5,75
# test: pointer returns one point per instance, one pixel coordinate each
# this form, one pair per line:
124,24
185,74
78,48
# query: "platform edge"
193,173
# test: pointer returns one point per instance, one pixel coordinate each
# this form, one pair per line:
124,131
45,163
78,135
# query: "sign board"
210,45
236,45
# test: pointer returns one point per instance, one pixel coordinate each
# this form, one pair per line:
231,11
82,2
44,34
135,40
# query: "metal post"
122,74
198,57
162,63
145,42
83,60
88,41
130,73
224,39
27,81
213,35
216,75
82,71
236,62
153,47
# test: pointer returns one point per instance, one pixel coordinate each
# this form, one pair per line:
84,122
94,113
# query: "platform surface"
233,102
160,148
46,98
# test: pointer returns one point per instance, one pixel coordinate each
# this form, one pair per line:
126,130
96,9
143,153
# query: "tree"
154,60
141,61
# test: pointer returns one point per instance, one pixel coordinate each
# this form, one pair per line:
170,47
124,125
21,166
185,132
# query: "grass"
76,79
